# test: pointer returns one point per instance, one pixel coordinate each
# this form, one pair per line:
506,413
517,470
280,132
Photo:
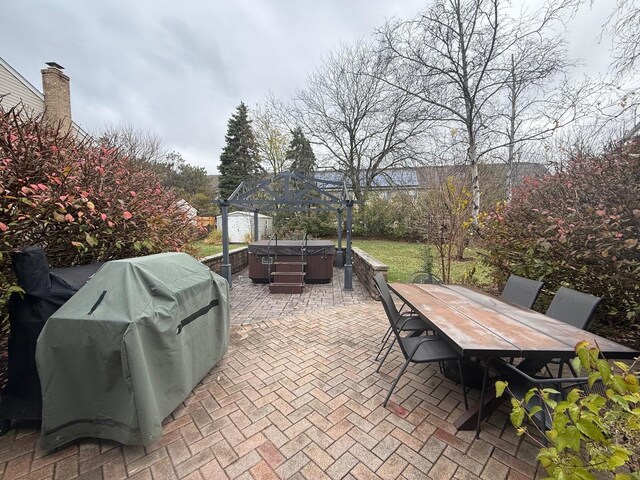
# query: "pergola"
293,192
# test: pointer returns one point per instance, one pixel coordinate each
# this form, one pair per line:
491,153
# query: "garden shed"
241,226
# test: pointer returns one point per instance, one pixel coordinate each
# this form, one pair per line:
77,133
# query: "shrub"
580,228
383,217
591,432
214,238
81,202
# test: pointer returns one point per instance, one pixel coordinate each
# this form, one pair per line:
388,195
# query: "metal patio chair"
424,277
418,349
520,383
521,291
404,321
576,309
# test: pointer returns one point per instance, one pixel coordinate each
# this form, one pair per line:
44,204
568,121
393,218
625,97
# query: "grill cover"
128,348
45,291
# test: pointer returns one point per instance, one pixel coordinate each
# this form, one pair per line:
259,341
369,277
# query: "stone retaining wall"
366,267
239,259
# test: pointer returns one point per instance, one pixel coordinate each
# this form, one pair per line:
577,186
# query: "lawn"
204,249
404,258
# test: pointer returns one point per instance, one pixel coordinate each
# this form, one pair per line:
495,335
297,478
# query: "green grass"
404,258
204,250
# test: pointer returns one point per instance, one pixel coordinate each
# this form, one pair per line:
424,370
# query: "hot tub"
318,257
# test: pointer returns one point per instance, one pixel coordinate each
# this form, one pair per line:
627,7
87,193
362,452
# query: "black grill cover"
46,290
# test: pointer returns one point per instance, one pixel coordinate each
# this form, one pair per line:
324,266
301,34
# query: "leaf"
517,416
604,369
93,241
570,438
500,387
590,430
576,364
618,384
534,410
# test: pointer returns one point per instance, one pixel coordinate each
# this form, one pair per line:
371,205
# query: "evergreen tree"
300,153
239,160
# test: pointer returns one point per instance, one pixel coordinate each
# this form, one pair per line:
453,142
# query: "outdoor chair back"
521,291
385,295
573,307
424,277
389,307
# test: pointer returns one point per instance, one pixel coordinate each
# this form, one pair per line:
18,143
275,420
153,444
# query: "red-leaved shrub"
81,202
578,228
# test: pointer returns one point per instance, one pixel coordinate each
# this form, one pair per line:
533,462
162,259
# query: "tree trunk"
472,155
512,131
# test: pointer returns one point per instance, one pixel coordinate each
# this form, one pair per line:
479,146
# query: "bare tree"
535,109
272,137
362,126
623,27
452,57
145,147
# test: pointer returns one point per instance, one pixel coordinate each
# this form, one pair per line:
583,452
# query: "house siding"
13,91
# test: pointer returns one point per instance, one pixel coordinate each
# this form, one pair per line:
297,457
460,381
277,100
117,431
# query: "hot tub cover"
292,247
128,348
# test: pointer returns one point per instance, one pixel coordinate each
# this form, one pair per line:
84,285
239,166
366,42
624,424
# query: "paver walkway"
297,396
251,302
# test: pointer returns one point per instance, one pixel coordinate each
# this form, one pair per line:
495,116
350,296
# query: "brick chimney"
57,97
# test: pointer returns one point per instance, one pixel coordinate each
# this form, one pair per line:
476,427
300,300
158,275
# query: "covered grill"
129,347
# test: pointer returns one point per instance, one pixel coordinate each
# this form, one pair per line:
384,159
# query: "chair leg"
384,343
393,342
395,382
386,335
464,390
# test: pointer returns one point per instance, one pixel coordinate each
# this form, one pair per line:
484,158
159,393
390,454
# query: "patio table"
477,324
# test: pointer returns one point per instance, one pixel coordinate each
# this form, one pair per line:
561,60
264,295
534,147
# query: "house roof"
15,89
393,177
427,176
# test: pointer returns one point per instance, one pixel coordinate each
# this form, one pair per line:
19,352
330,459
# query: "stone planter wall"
239,259
366,267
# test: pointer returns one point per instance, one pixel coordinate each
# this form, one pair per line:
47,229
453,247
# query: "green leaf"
604,369
534,410
617,459
517,416
576,364
93,241
590,430
582,474
529,395
500,387
618,384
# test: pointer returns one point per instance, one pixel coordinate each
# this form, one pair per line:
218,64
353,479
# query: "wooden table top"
478,324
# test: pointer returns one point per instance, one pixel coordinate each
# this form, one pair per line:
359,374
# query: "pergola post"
225,270
256,229
348,267
339,252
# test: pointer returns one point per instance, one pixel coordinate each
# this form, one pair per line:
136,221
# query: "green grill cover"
128,348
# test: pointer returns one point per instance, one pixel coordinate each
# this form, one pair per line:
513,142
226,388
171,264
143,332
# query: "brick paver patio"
297,396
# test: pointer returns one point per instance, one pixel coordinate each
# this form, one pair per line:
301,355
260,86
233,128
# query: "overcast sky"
179,68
